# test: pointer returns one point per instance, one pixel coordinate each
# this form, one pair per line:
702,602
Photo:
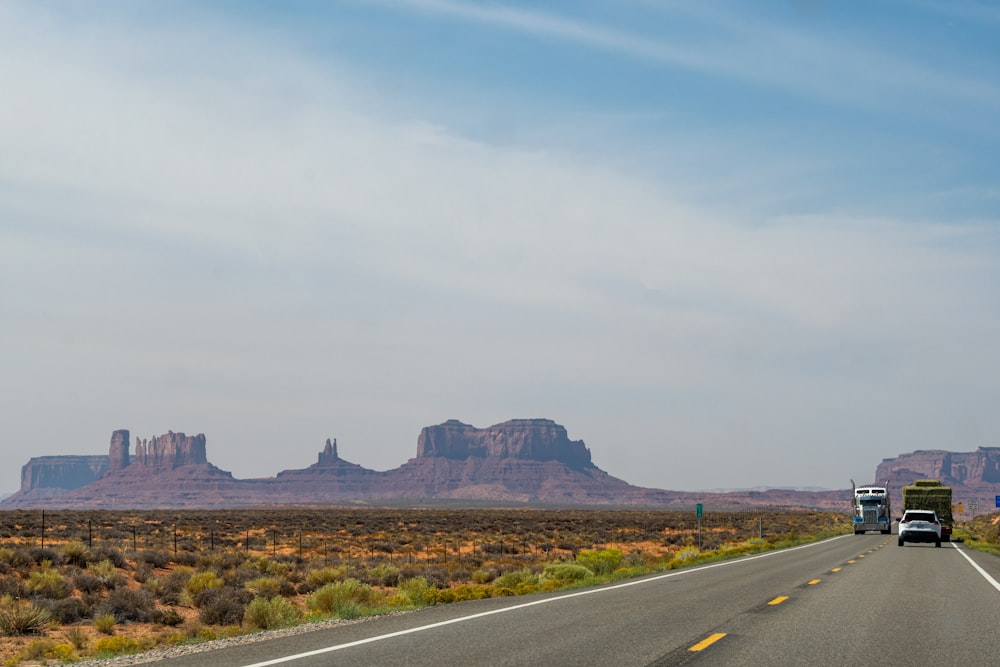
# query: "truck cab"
871,509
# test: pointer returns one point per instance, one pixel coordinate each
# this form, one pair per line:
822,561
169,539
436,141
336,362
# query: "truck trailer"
871,508
930,494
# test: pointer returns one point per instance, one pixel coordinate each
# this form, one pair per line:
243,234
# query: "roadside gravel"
215,644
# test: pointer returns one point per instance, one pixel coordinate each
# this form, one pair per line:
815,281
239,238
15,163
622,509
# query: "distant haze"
727,245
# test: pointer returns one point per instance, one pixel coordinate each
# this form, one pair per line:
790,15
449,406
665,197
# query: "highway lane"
651,621
912,605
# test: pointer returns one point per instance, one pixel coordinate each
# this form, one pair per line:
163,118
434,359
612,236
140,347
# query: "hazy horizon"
725,245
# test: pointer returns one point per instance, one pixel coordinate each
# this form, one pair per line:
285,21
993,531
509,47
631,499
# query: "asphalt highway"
852,600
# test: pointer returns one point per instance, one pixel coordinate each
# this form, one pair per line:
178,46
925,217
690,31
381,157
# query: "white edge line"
993,582
589,591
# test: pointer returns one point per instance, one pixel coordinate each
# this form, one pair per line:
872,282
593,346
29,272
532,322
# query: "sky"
725,244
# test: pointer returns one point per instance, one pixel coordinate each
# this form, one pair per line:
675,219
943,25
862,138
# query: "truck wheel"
886,531
938,543
900,543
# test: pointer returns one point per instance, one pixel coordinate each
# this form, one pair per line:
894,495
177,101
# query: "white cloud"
232,242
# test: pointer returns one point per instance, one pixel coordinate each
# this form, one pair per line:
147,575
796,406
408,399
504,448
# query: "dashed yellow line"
850,562
814,582
779,599
707,641
836,569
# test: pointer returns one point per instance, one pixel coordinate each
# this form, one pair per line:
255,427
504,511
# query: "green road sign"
698,510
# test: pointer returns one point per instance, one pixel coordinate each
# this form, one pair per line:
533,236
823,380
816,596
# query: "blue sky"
725,244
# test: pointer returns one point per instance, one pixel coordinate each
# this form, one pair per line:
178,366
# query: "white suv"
920,526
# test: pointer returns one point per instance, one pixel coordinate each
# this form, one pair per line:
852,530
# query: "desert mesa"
520,461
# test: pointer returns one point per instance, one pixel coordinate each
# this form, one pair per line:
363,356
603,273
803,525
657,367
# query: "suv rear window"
919,516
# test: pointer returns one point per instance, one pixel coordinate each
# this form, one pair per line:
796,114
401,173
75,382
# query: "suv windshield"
919,516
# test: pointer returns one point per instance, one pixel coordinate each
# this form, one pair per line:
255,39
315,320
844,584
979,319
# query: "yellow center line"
814,582
707,641
850,562
779,599
836,569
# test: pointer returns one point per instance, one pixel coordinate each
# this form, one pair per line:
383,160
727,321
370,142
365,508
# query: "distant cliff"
527,439
973,476
529,461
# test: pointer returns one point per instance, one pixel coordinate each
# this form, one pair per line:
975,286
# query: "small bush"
267,614
106,572
48,584
341,597
127,604
13,587
76,553
116,557
199,581
105,623
22,617
221,606
67,610
77,637
484,576
174,586
383,575
86,582
168,617
325,575
108,646
519,581
563,573
42,554
158,559
46,649
267,587
413,591
601,562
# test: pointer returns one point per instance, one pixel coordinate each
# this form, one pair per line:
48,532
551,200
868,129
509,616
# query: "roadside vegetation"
81,585
981,533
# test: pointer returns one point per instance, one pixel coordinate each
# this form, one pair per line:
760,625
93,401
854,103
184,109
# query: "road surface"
852,600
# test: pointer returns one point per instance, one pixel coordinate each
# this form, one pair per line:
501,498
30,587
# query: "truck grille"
871,515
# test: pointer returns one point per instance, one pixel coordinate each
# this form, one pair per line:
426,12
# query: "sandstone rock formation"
528,439
63,473
973,476
518,461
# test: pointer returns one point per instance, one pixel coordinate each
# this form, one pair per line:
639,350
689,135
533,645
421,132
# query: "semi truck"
930,494
871,508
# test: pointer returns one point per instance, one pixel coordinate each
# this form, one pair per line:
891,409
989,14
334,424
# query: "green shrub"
519,581
77,637
342,597
76,553
106,572
600,562
105,623
266,614
383,575
107,646
48,584
564,573
267,587
325,575
484,576
46,649
22,617
413,591
202,580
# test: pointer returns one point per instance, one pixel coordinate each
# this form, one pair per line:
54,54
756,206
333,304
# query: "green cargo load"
930,494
